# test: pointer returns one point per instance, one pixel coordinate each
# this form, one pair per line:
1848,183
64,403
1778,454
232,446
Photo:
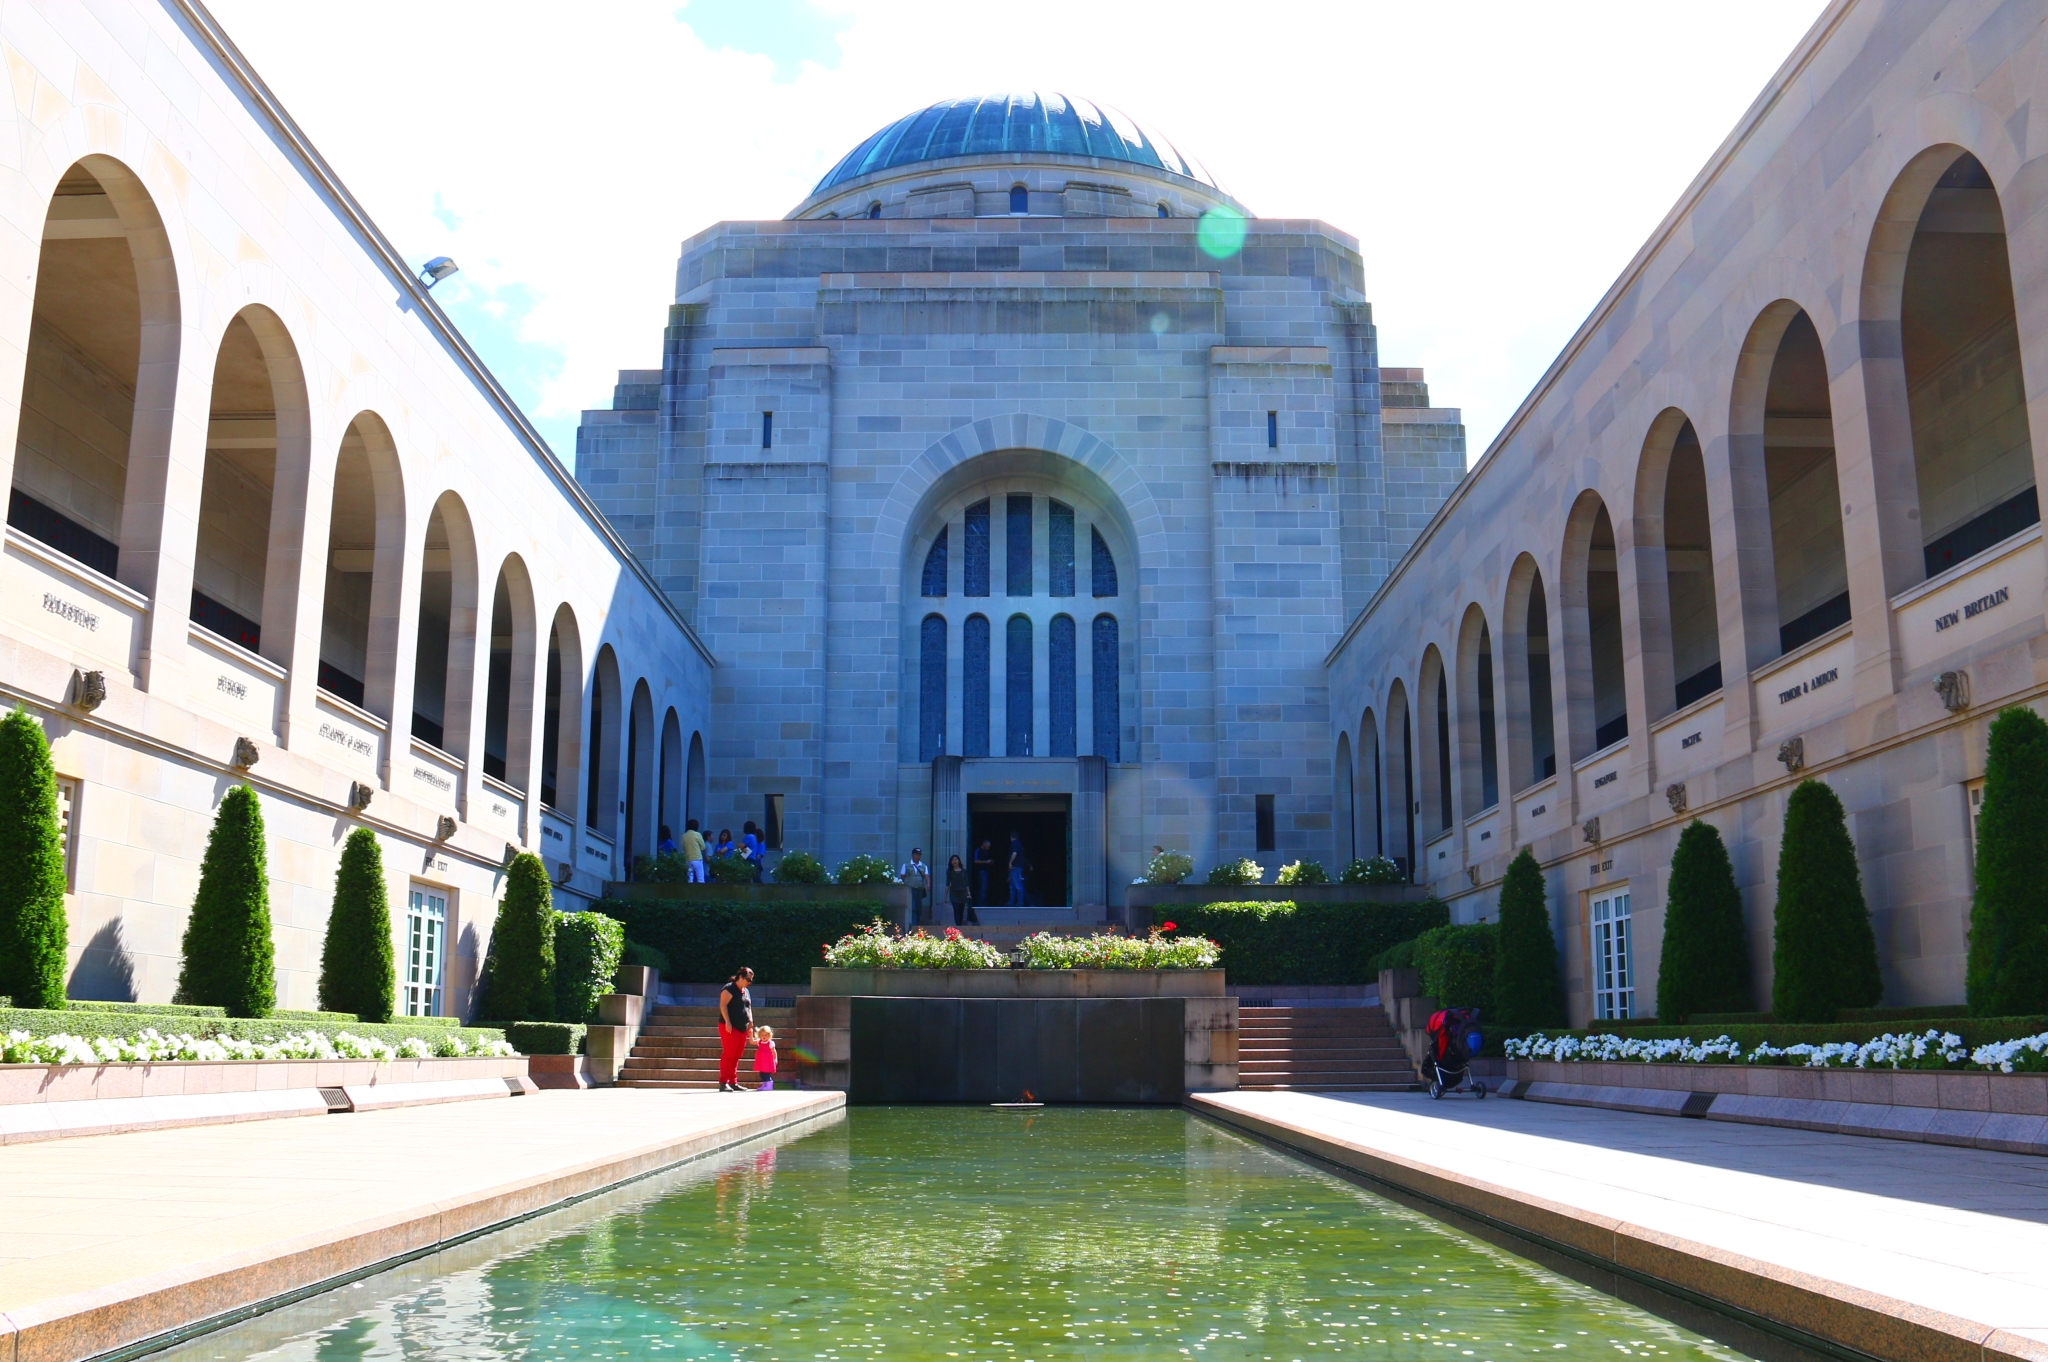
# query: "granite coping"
2023,1094
194,1077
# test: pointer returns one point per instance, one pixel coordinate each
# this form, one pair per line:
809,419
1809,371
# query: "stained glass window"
935,567
977,550
1108,689
1017,534
1017,685
1060,659
1105,565
931,689
1059,536
974,686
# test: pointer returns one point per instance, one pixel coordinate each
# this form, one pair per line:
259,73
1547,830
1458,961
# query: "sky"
1499,162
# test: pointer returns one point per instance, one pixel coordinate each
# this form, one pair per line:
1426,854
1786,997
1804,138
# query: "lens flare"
1220,233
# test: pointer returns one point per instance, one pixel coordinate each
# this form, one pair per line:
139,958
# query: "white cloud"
1499,162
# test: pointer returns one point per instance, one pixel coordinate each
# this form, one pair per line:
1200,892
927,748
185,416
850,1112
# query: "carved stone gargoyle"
246,754
1954,689
88,690
1792,752
1591,829
444,828
1675,794
359,796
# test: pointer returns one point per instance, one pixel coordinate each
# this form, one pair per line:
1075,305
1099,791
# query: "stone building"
1770,516
1020,482
270,521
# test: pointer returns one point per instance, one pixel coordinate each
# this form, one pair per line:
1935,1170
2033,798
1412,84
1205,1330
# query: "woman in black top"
957,892
735,1024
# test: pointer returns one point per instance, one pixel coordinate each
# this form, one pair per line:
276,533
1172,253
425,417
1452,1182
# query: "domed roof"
996,124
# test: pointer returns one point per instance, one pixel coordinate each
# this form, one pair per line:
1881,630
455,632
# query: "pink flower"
952,933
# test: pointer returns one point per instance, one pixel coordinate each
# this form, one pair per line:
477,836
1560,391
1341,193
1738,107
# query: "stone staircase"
678,1048
1321,1049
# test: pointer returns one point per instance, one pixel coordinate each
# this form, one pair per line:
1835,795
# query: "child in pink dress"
764,1058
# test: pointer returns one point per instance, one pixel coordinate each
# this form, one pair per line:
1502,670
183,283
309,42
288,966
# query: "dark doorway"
1042,823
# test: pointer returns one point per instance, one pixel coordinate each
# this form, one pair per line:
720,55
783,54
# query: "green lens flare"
1221,232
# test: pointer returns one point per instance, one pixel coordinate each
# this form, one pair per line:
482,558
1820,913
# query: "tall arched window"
935,567
1104,566
931,688
1689,575
974,658
1062,678
977,550
1797,433
1017,546
1059,549
1020,199
1108,661
1018,697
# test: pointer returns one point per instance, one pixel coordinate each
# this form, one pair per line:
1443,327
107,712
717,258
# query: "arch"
1596,693
1478,733
641,798
562,717
1783,475
1400,790
602,804
1674,554
672,800
1433,739
1369,834
697,784
444,661
91,462
365,572
1346,794
509,681
1530,727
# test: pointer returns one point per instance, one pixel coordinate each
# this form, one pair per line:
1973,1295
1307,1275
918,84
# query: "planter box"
1142,901
1016,983
895,897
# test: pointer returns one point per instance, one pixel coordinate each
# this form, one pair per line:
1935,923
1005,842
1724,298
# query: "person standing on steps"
918,876
957,893
984,869
735,1024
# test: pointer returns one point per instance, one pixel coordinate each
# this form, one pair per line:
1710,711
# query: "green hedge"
156,1009
546,1038
88,1024
706,942
1458,965
588,947
1286,942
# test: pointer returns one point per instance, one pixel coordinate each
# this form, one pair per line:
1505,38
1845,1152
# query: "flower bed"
875,946
1931,1049
1044,950
148,1046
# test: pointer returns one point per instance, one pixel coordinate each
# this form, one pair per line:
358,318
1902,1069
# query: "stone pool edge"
1841,1317
159,1310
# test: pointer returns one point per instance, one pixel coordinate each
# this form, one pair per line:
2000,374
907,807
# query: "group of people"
752,848
963,890
735,1028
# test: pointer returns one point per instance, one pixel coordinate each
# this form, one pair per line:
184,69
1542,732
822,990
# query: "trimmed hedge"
1704,966
157,1009
519,969
229,959
1285,942
79,1022
2007,967
588,947
547,1038
356,973
1526,989
1458,964
705,942
1825,952
33,934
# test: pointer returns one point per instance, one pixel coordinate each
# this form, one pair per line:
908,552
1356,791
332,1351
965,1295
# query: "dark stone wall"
1126,1050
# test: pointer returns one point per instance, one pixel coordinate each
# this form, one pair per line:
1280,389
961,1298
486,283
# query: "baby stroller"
1455,1031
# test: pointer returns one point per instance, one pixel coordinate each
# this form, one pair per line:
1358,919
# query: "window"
875,209
1614,975
1104,565
1975,791
771,821
1272,430
935,567
1017,697
1060,665
426,948
1020,199
977,550
931,689
767,430
1163,211
974,652
1108,693
1059,545
1263,819
67,827
1017,547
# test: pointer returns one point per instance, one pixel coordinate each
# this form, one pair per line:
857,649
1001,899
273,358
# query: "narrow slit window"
1020,199
1061,666
1108,657
767,430
1104,566
935,566
771,821
1059,536
931,689
1263,818
1272,430
974,657
1017,694
1017,547
976,574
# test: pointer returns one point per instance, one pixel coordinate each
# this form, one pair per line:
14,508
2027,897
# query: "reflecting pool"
953,1232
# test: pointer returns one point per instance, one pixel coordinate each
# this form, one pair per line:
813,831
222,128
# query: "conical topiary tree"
33,934
2007,974
229,959
519,969
1825,954
355,964
1705,963
1525,986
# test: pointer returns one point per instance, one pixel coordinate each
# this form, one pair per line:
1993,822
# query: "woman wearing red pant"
735,1024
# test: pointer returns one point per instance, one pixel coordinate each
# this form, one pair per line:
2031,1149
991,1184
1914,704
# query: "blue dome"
996,124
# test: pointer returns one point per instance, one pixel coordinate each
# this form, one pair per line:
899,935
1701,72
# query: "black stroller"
1455,1032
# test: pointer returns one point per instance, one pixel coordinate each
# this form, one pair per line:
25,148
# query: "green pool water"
943,1232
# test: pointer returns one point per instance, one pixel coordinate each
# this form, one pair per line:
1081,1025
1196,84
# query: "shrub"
637,954
546,1038
33,934
799,867
1457,965
877,946
1306,943
2008,961
588,950
1825,953
729,870
1243,870
1302,872
519,969
1525,983
1705,962
667,868
705,942
1169,867
1378,870
229,960
865,870
1401,955
356,972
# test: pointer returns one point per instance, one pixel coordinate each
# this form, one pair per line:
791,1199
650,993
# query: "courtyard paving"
1899,1250
109,1239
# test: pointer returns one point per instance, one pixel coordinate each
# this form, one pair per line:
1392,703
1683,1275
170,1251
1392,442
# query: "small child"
764,1057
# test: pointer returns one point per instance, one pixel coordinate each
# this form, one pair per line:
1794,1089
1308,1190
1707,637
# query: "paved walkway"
1899,1250
111,1239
